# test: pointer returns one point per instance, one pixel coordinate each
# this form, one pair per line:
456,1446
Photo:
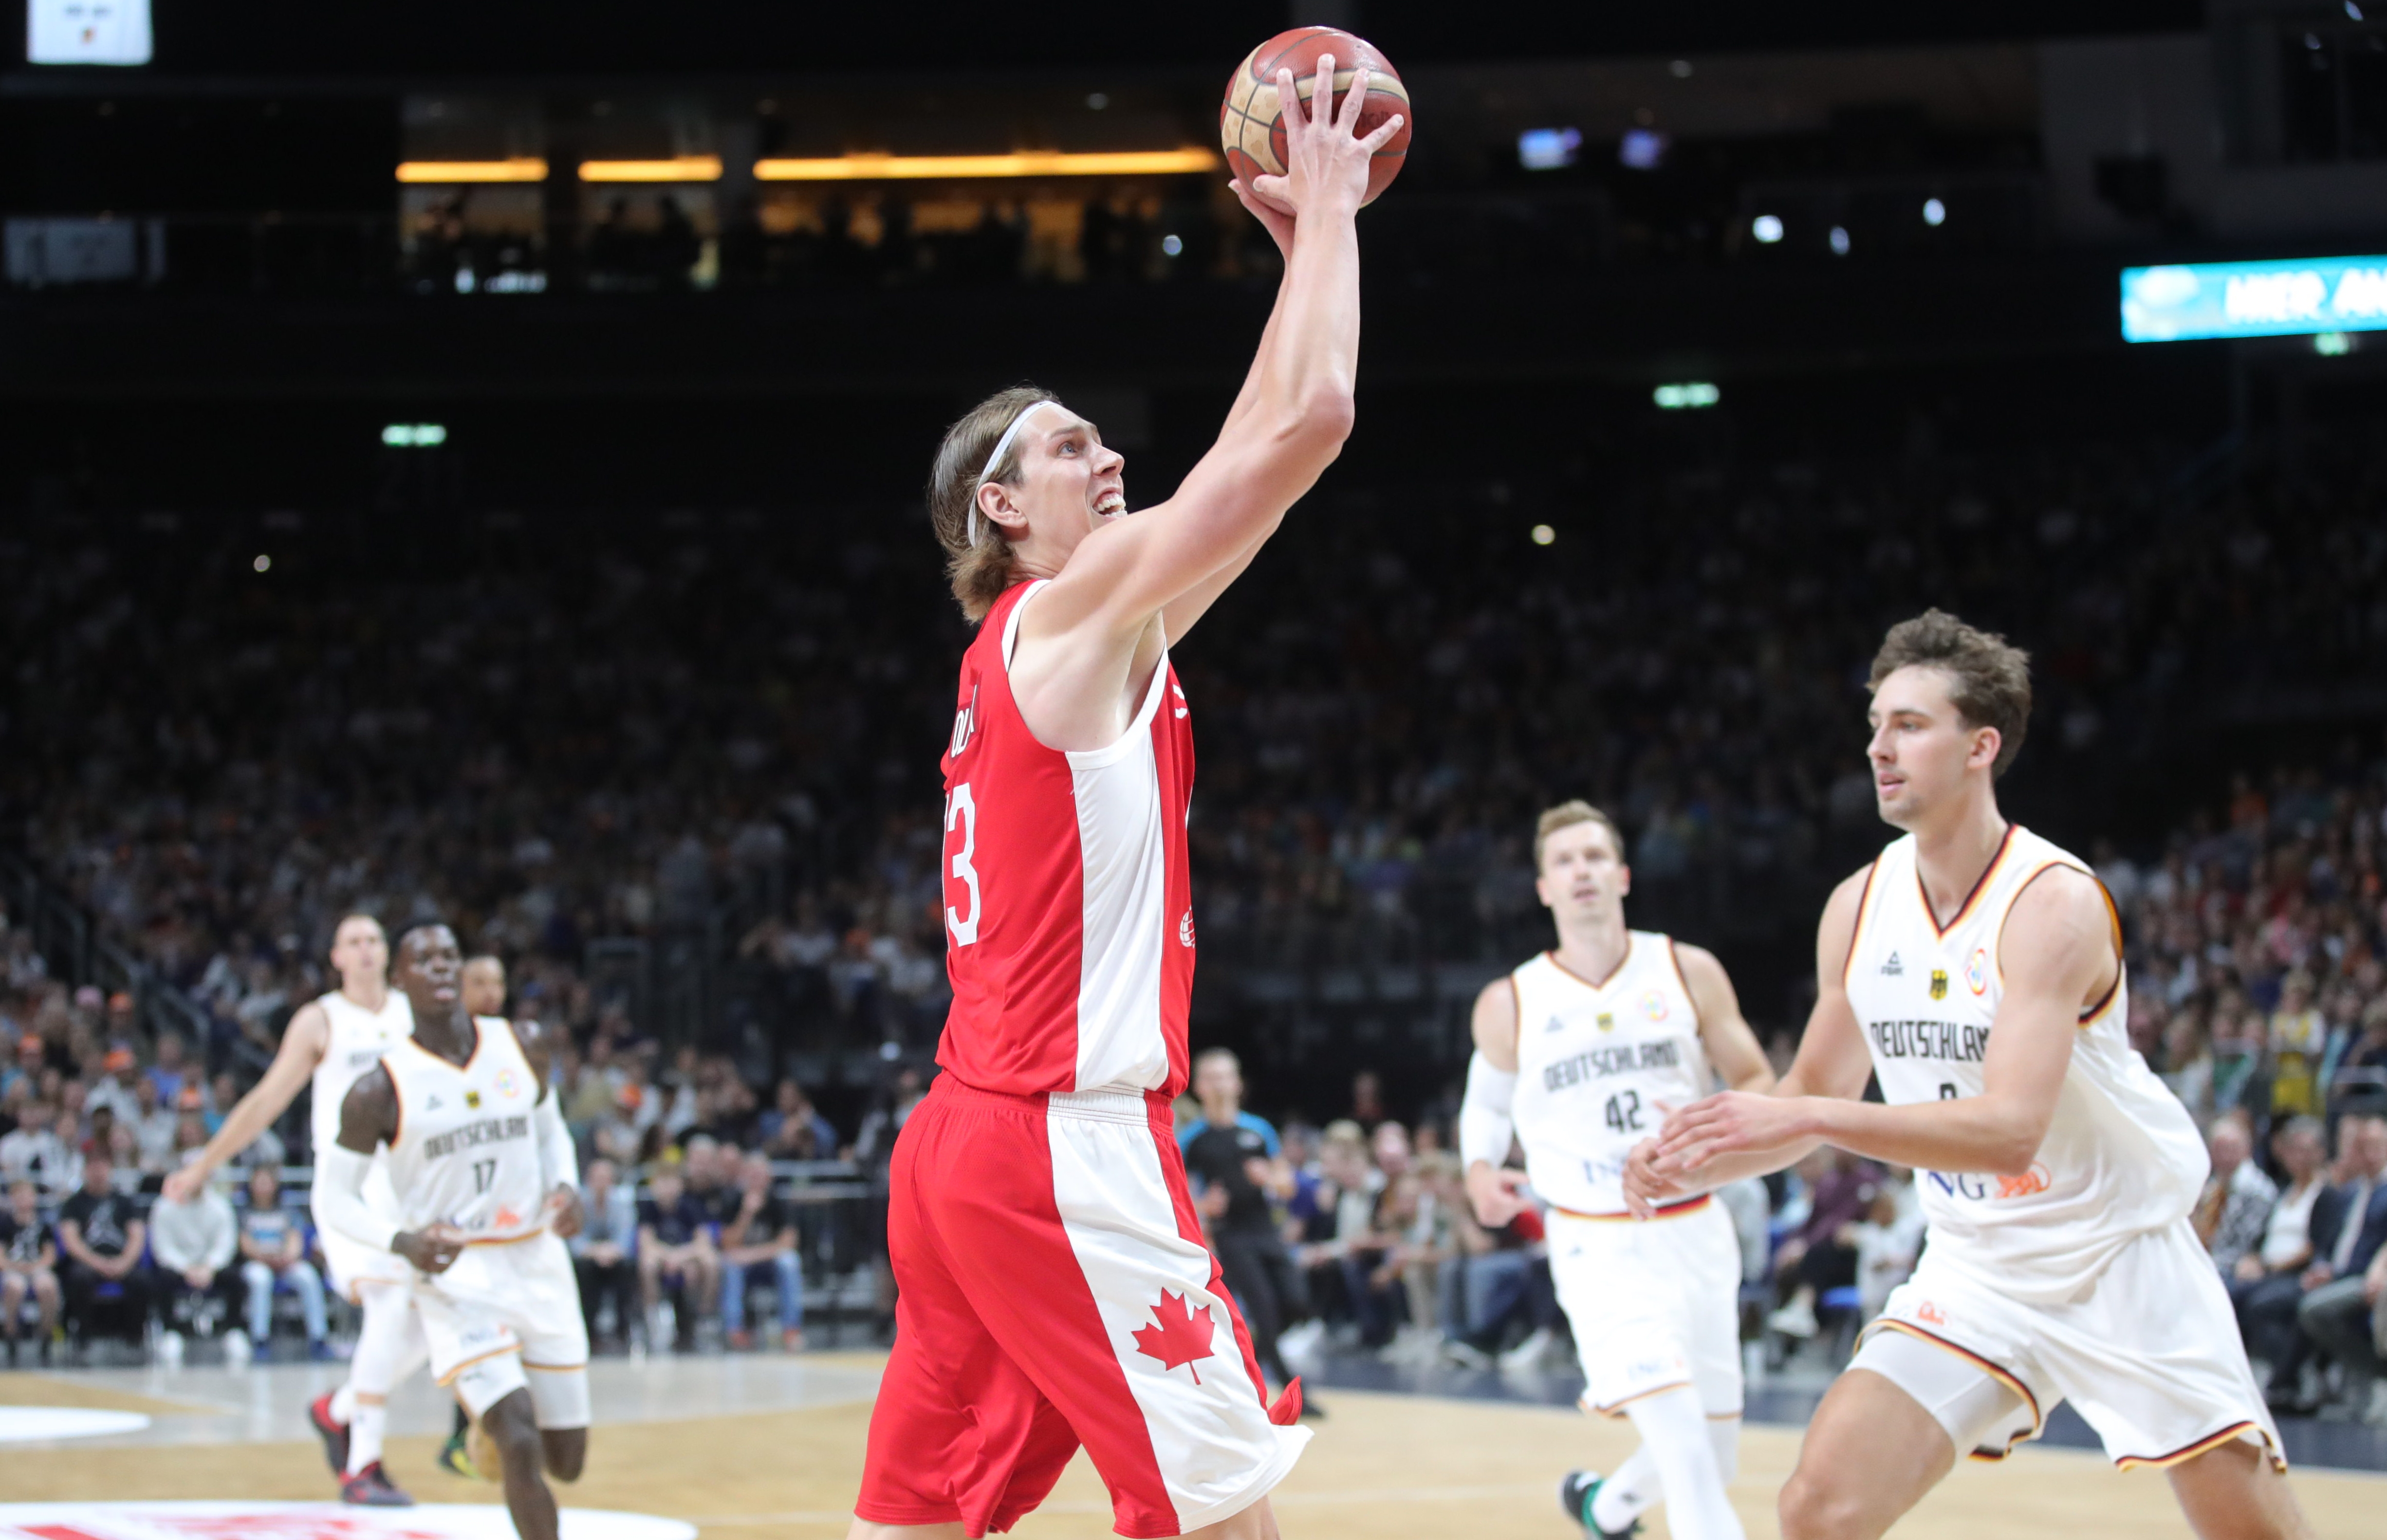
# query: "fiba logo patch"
1939,983
508,1086
1653,1005
1185,929
1976,972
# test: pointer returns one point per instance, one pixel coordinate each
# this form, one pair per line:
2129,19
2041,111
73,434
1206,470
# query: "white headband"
987,473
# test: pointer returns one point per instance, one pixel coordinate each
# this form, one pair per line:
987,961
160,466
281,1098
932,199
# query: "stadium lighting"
414,435
518,168
1549,149
1170,246
679,168
264,563
2332,345
1839,240
1690,394
1766,228
1935,213
906,167
1544,534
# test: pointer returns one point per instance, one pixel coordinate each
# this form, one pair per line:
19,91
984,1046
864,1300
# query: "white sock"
1675,1435
1724,1433
365,1432
1626,1493
343,1405
390,1345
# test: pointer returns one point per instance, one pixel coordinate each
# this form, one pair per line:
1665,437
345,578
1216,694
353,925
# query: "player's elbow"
1322,419
2013,1149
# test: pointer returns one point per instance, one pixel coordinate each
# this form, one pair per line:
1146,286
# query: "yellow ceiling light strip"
902,168
519,167
681,168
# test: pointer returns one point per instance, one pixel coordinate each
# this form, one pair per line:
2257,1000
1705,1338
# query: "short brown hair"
1568,814
979,569
1988,677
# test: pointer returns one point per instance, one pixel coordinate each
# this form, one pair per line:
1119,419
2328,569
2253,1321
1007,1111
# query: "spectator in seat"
760,1233
675,1251
193,1244
28,1267
153,1129
1821,1254
35,1152
793,1129
2266,1285
601,1253
2233,1211
2349,1240
169,1074
273,1253
1240,1173
101,1232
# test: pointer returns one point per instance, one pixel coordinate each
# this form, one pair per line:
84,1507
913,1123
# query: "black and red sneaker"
371,1487
334,1434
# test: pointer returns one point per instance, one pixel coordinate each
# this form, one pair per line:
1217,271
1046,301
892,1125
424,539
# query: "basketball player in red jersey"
1055,1288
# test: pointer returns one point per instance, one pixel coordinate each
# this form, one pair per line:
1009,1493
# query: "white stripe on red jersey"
1069,914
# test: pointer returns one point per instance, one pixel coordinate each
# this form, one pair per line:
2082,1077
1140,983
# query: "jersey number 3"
961,812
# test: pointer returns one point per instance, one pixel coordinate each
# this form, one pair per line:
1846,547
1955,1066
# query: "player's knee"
512,1427
1814,1507
567,1453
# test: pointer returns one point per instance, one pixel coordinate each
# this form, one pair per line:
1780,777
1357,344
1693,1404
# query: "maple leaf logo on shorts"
1178,1337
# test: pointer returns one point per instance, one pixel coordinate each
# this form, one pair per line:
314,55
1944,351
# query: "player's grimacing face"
1071,484
1921,748
1581,874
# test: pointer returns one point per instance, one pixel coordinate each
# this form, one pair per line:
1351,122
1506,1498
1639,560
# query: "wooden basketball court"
747,1448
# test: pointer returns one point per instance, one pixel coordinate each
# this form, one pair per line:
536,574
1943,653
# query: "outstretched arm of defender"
1301,401
2056,953
303,1042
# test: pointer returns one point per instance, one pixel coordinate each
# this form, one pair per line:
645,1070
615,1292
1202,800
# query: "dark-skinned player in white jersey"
1976,970
469,1338
1054,1291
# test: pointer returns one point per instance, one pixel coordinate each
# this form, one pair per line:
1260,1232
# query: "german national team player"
330,1043
1053,1286
1976,970
1578,1054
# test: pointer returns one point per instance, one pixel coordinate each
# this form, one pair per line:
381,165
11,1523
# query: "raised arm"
303,1042
1272,449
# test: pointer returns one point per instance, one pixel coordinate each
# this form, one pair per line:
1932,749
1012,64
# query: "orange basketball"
1251,126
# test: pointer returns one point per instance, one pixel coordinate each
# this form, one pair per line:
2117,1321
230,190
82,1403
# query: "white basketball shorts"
507,1315
2148,1352
1655,1303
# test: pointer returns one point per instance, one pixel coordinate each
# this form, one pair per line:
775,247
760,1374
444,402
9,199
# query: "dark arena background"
465,462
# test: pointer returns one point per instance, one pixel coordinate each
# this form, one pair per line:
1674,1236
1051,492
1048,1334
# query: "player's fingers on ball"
1322,95
1384,133
1346,111
1288,99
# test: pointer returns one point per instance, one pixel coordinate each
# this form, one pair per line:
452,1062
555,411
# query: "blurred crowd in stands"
600,755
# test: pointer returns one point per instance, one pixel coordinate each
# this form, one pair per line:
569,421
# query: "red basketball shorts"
1054,1292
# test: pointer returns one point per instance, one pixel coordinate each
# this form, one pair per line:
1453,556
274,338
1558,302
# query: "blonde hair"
1565,816
978,561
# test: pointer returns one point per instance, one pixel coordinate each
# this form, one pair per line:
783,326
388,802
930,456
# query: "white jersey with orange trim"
355,1040
1597,1066
466,1149
2121,1156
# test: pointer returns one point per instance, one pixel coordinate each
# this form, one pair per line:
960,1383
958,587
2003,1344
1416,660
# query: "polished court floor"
765,1446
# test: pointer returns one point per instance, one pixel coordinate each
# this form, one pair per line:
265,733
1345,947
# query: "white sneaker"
170,1349
1466,1355
1301,1342
1528,1354
236,1349
1794,1319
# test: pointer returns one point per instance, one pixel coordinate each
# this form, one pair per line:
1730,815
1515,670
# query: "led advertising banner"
2253,300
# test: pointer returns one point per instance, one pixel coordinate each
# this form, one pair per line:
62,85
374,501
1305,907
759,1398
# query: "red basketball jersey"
1068,916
